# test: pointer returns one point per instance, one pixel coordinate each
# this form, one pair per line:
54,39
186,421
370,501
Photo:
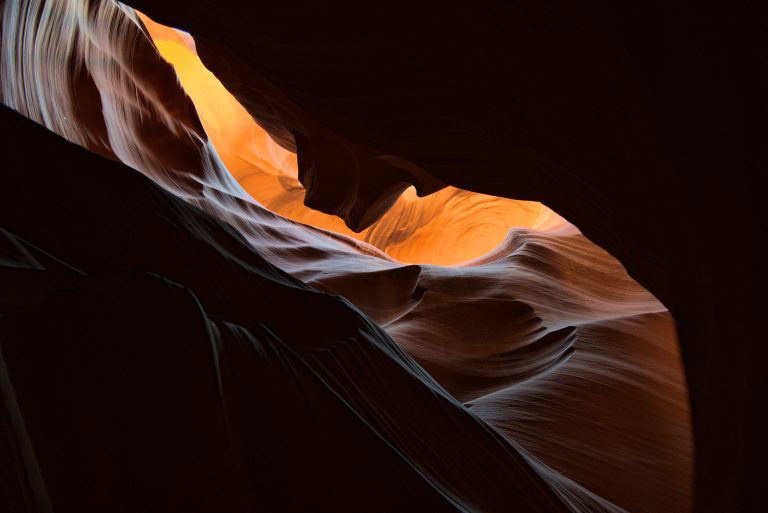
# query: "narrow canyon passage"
346,319
447,227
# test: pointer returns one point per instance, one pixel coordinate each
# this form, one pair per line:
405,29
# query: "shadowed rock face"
263,412
562,305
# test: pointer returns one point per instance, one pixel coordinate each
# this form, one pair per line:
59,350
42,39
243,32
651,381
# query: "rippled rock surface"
168,342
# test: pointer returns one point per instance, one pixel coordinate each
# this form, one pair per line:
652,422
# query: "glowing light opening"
446,228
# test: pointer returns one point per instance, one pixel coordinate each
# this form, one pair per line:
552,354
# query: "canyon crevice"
260,363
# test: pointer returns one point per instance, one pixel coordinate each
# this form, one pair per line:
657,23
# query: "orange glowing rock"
446,228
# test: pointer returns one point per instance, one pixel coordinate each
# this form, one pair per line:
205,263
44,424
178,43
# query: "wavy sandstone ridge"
539,375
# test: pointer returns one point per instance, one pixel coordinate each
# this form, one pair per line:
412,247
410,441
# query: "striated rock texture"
154,360
553,384
639,123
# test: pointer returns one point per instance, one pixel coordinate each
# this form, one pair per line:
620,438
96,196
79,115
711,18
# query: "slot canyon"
404,257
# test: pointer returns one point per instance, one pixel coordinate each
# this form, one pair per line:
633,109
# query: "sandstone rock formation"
182,345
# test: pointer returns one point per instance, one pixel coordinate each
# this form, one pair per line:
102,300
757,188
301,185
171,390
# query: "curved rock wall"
553,380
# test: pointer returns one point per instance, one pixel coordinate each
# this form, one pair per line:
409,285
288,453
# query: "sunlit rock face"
538,374
447,227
